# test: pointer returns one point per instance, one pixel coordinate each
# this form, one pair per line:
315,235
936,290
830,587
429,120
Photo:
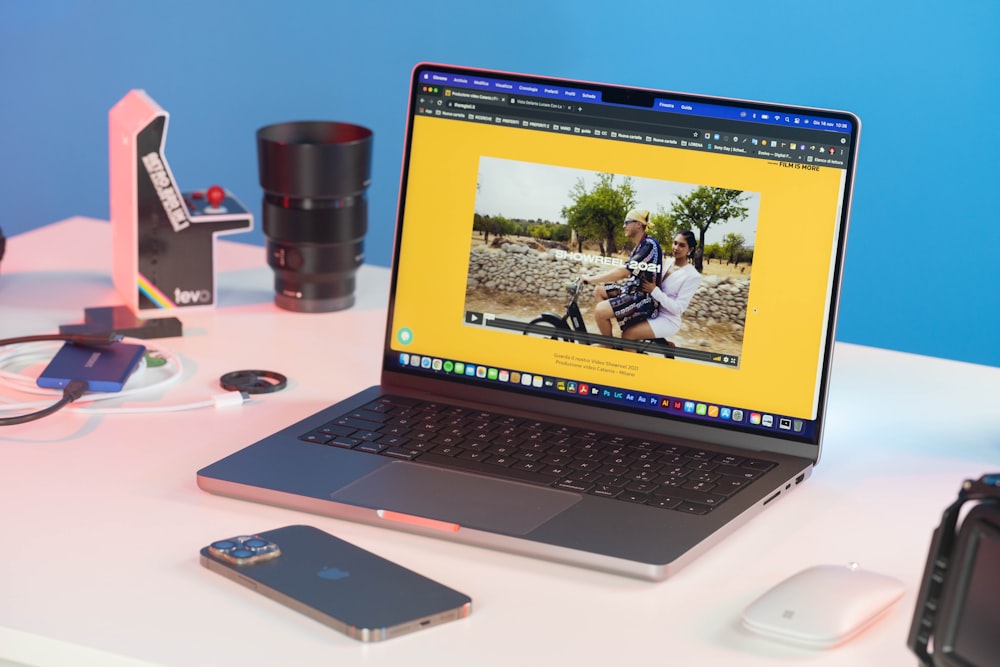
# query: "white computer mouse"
823,606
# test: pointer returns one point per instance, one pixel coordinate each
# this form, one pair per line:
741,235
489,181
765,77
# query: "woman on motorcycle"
679,282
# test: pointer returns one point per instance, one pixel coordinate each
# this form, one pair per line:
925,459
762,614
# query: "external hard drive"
103,367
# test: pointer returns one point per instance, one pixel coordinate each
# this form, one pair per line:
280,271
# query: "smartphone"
336,583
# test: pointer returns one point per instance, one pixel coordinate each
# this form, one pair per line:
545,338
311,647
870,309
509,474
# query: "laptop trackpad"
472,501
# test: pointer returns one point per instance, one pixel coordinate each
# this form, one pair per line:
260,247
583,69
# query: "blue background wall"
925,233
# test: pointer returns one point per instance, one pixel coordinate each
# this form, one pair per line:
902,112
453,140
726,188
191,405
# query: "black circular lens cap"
254,382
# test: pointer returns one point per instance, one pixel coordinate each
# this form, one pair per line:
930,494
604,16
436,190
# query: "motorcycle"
570,327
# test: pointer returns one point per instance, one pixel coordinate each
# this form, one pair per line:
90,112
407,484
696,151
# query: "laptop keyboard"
657,474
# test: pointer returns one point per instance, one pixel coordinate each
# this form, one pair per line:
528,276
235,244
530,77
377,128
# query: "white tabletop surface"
101,520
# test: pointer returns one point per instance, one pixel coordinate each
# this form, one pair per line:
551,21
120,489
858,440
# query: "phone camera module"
244,550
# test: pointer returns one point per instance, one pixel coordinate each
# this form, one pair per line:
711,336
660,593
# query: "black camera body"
956,622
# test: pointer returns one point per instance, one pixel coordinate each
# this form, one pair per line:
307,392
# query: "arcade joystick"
215,196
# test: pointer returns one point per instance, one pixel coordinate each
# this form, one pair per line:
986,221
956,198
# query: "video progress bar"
587,338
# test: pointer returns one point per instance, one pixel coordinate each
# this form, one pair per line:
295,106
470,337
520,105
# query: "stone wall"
719,303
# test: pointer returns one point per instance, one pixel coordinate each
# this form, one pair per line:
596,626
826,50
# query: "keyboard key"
368,415
665,503
605,490
744,473
335,430
670,482
640,487
703,487
573,485
693,508
400,453
501,450
701,497
501,460
641,475
727,486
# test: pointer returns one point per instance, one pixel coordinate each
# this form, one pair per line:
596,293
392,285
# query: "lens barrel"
314,211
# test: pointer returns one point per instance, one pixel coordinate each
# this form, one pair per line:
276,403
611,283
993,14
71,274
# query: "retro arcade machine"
163,240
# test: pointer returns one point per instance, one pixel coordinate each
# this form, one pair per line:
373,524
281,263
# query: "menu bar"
794,144
771,115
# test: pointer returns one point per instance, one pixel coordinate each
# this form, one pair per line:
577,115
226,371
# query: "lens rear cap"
254,382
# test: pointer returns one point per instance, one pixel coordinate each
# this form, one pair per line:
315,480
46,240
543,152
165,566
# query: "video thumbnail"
539,230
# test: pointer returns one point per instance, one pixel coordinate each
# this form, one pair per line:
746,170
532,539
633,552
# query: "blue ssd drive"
103,367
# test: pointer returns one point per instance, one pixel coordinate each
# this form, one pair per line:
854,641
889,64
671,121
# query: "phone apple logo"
332,573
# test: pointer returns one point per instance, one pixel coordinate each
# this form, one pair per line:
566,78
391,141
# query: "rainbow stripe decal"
153,293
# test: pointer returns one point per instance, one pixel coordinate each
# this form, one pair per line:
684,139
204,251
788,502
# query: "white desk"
101,520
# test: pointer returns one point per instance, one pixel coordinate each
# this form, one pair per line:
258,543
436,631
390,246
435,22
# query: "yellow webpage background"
796,230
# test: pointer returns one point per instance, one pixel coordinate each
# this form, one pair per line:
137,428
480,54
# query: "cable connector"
75,389
230,399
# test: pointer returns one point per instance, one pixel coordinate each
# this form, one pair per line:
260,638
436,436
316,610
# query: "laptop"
504,417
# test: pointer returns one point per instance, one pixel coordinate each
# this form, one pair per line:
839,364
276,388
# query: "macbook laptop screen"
667,254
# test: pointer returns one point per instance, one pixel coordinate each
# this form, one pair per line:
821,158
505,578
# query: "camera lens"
315,212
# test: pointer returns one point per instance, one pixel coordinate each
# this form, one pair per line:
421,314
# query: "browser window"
498,238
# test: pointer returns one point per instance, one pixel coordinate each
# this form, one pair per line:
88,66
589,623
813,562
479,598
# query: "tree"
483,223
663,227
732,246
502,226
598,213
705,206
561,233
713,251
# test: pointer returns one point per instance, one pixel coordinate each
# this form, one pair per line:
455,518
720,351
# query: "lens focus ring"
315,225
